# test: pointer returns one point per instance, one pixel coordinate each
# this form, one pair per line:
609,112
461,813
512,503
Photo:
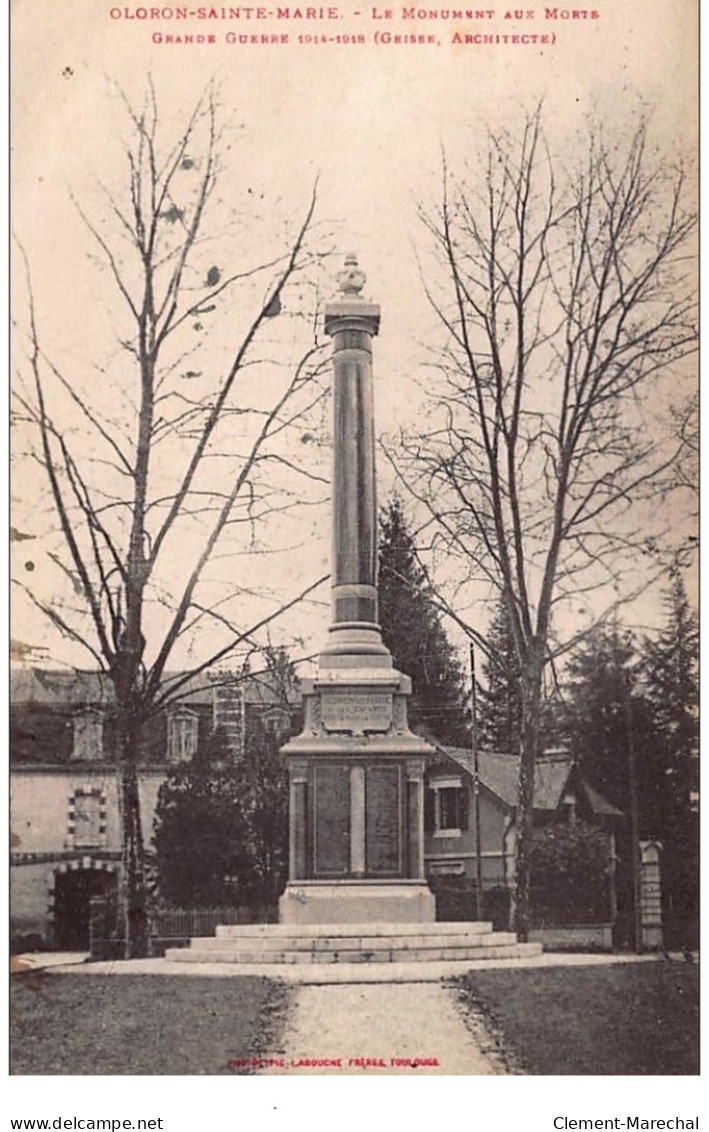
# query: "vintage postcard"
354,348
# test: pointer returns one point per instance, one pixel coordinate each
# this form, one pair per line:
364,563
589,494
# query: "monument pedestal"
356,804
363,902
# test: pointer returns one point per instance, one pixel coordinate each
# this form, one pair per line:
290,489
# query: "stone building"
64,796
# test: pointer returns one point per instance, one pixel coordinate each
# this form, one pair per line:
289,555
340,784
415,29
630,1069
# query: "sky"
371,120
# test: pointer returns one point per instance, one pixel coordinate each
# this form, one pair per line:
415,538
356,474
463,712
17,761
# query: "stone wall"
64,818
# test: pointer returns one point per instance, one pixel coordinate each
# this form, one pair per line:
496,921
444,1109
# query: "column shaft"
352,322
354,553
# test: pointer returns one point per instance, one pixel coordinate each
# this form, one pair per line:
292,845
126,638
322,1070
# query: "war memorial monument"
356,890
356,771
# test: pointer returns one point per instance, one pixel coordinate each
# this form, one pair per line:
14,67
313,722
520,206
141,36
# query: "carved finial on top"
351,279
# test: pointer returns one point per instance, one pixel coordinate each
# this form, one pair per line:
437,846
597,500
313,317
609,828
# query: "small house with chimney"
562,796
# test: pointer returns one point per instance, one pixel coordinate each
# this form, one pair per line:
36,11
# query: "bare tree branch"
141,518
565,292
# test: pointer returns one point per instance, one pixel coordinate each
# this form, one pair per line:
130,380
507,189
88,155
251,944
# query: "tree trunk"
529,750
134,897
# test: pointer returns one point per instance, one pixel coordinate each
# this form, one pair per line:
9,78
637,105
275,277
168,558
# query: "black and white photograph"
354,557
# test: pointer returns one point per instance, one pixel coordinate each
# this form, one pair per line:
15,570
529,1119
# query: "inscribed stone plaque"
357,711
331,833
383,820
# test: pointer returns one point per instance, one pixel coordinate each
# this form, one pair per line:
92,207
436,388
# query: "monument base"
401,902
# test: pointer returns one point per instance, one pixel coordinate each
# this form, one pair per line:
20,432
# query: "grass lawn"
621,1019
153,1024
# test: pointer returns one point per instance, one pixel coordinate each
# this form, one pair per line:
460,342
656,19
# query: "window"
449,806
87,818
446,808
275,721
88,736
181,735
446,868
568,806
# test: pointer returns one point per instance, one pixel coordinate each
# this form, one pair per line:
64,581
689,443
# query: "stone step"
241,954
348,942
336,931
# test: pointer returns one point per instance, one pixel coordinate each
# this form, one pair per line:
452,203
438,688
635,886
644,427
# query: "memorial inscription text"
357,711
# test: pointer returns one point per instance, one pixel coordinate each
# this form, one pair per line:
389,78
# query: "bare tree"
193,460
566,299
685,424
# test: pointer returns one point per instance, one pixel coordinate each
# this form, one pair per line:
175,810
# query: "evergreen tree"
597,717
603,711
412,631
670,668
616,698
200,828
221,824
609,728
264,801
500,698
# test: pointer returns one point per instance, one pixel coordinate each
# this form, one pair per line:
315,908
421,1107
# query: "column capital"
351,314
349,311
415,769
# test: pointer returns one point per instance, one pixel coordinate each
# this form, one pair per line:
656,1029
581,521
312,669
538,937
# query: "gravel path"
379,1030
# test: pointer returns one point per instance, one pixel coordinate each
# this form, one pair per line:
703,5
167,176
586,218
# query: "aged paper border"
370,121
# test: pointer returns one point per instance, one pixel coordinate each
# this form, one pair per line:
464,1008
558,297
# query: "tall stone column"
356,771
352,322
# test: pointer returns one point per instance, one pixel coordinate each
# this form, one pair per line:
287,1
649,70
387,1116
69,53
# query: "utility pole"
479,912
634,822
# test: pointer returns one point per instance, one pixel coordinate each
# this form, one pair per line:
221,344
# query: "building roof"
44,686
598,803
499,775
74,687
